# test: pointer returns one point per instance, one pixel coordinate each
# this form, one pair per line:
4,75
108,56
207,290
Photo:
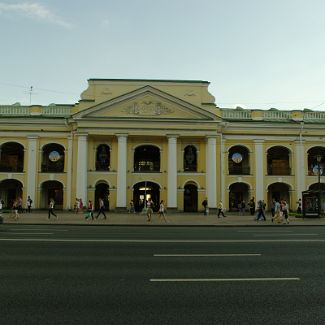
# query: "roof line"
152,80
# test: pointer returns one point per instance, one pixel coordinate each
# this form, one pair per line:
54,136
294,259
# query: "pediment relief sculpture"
147,108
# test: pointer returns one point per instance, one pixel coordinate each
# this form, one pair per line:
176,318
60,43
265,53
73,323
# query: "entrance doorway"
10,190
102,191
279,191
238,192
142,192
52,190
190,198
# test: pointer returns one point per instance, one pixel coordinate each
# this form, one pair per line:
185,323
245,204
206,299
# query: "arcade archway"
10,190
279,191
102,191
52,190
142,191
238,192
190,197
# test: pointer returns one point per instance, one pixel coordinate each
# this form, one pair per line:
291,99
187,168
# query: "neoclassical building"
165,139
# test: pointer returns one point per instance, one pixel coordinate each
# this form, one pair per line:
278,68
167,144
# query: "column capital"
122,135
32,137
171,136
259,141
82,136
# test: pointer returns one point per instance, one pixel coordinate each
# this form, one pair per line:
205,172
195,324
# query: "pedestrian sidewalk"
140,219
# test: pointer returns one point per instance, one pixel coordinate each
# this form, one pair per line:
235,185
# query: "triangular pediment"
146,102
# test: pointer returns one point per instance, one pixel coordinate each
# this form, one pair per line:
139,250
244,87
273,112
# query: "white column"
222,169
32,167
68,156
82,163
211,172
259,170
300,171
121,170
172,172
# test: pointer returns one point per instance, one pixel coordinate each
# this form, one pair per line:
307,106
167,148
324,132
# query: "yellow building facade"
165,139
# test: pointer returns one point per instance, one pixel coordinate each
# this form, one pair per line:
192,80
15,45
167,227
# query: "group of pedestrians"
280,211
161,211
79,206
220,210
17,207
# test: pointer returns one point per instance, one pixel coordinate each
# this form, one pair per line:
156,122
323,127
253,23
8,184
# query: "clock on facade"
54,156
237,157
315,170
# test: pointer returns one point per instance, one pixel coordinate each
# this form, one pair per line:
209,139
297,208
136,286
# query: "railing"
57,168
236,114
234,170
14,110
56,110
314,116
278,171
16,168
271,115
276,115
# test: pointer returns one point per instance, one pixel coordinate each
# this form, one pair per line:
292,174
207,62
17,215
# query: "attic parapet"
35,110
241,114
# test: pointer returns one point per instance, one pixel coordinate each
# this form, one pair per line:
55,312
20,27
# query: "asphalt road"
167,275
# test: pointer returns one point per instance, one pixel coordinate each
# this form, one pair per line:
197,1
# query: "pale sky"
257,54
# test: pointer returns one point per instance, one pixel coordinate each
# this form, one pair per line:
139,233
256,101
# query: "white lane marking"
262,232
31,233
260,235
204,255
35,229
148,241
225,280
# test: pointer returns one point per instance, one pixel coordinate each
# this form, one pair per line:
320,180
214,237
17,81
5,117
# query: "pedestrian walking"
285,211
150,206
277,212
101,209
51,209
252,206
81,204
1,205
29,204
260,210
273,208
220,209
90,208
15,210
131,207
205,206
20,204
242,207
299,210
162,210
76,205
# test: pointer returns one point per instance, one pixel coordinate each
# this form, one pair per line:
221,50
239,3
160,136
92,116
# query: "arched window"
103,157
53,158
238,161
316,161
12,157
278,161
190,159
147,159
